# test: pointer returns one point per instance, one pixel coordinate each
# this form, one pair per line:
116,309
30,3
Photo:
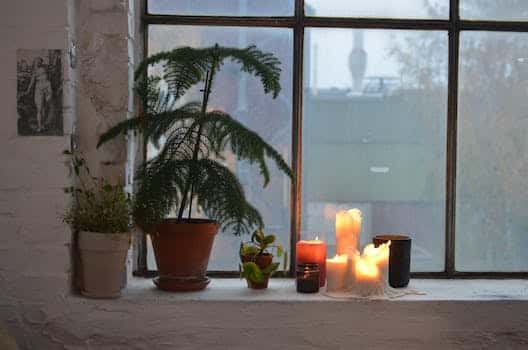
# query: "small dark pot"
261,285
399,258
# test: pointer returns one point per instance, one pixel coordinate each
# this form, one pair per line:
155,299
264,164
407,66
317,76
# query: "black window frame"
453,25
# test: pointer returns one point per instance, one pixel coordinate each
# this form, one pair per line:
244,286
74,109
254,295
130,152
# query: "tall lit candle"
348,229
313,251
336,278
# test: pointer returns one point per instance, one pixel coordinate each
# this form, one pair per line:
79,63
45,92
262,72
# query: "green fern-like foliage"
186,170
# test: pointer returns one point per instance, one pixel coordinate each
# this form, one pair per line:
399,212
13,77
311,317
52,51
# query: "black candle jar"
399,258
307,278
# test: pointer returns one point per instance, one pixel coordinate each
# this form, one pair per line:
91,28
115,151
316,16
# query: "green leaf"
244,143
120,129
252,272
269,239
264,65
280,250
259,236
269,270
249,250
222,196
182,67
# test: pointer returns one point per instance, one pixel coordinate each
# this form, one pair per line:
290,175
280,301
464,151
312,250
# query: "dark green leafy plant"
97,205
260,244
186,170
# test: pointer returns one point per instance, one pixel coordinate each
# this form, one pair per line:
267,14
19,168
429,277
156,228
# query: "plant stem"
189,186
190,202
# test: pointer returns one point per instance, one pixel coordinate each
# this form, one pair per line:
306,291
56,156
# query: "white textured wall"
35,302
34,256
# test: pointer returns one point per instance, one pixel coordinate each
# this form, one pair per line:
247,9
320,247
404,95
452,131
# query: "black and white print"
39,92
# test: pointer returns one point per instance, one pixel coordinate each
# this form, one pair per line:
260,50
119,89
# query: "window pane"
378,8
242,96
492,182
374,135
506,10
222,7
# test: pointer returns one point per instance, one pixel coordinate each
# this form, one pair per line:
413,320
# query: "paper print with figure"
39,92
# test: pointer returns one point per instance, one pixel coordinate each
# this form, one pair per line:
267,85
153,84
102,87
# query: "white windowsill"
283,290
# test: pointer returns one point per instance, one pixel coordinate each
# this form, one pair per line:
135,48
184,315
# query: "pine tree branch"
222,196
132,124
245,143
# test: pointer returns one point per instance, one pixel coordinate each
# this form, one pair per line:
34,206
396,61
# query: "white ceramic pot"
103,258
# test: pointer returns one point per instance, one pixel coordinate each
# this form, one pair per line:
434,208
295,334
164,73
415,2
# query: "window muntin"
242,96
492,182
374,127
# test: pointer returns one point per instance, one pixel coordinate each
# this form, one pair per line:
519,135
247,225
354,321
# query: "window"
222,8
378,8
492,181
374,138
412,111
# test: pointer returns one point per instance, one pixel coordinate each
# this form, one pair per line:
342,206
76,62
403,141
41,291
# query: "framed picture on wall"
39,92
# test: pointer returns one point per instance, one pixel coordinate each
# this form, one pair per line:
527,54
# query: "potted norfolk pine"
187,173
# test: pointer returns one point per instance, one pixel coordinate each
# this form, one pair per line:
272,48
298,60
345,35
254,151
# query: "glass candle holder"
307,278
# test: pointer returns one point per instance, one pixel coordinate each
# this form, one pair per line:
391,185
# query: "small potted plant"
188,173
100,214
257,261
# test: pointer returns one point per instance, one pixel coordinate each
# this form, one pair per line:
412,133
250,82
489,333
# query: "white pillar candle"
348,229
336,273
353,257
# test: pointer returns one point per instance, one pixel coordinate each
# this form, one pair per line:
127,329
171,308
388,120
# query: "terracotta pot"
182,250
262,261
260,285
103,258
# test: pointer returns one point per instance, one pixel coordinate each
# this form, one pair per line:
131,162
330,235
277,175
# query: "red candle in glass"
314,252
